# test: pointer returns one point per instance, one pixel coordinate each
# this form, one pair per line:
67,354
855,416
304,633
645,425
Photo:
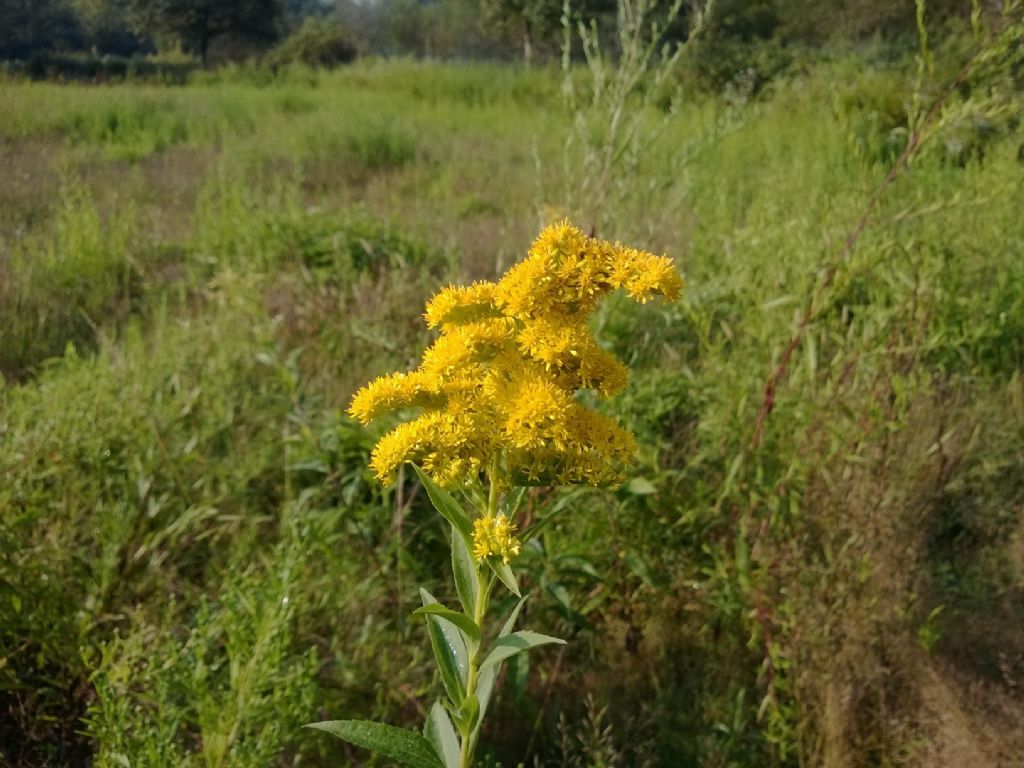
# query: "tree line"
438,28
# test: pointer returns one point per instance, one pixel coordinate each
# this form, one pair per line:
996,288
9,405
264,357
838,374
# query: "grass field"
196,560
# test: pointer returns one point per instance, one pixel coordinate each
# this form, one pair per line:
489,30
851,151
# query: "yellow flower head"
389,393
458,303
493,535
499,383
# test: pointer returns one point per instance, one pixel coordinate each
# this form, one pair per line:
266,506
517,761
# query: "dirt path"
969,723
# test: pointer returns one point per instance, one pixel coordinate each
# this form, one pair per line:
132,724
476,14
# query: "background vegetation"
820,557
46,33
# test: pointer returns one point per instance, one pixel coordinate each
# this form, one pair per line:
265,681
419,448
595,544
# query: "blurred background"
51,36
220,217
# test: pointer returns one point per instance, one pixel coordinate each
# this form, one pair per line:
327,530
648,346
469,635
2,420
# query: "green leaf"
469,712
441,734
464,569
642,569
532,531
576,564
641,486
515,643
446,504
506,629
488,675
503,572
450,651
567,501
558,591
781,301
742,558
405,747
518,676
485,686
460,620
561,595
513,501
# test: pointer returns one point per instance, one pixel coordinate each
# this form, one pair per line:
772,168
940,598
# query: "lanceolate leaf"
441,734
488,675
515,643
485,686
503,572
510,623
641,486
460,620
464,569
404,747
446,504
643,569
450,652
513,501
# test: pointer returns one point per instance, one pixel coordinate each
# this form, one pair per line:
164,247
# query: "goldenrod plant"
498,413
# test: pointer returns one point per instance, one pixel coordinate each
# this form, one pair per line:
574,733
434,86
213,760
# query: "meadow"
818,559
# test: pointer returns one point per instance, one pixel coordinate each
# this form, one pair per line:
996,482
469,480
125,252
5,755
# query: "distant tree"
302,9
817,21
317,43
435,28
27,26
453,30
743,20
196,23
532,20
538,23
105,28
402,24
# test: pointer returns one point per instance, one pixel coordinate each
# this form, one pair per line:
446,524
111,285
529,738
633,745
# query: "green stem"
483,591
492,495
479,611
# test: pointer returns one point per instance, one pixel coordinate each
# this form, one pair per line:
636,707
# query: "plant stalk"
483,589
473,676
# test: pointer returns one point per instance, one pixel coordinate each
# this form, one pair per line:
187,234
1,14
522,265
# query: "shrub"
315,44
45,65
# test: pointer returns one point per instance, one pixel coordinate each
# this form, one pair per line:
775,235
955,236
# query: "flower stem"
483,590
473,676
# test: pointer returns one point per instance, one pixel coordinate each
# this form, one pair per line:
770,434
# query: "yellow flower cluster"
500,380
493,535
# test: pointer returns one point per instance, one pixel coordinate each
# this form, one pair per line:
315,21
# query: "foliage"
105,27
536,19
197,23
451,29
170,70
315,44
30,25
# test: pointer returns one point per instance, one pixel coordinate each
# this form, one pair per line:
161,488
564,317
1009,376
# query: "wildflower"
497,388
458,304
389,393
493,535
463,344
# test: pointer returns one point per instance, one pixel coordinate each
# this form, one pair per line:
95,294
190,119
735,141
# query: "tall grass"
66,282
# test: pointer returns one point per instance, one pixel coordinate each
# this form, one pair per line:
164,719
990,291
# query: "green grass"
193,281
